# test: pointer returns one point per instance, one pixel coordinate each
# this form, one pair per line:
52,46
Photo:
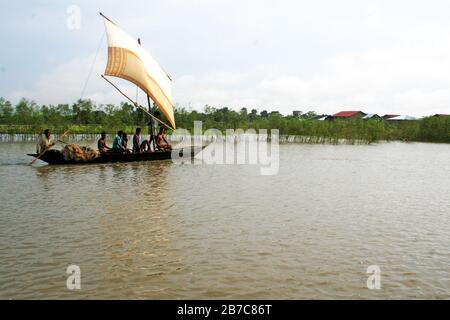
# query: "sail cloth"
128,60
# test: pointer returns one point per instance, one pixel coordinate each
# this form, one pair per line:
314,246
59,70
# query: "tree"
297,114
124,115
209,109
253,115
24,112
99,117
140,117
309,115
82,111
6,111
275,114
64,110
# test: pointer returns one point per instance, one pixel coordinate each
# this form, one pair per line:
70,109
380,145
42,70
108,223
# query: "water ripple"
159,230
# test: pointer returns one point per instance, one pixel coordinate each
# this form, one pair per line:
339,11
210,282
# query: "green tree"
309,115
24,112
253,115
6,111
82,112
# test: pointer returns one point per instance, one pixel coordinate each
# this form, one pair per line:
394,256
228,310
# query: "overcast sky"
375,56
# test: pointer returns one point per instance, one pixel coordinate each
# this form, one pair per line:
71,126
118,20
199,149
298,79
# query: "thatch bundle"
78,153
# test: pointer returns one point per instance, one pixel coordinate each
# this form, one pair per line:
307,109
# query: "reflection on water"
160,230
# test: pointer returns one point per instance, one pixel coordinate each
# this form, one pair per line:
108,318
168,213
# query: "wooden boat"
128,60
56,157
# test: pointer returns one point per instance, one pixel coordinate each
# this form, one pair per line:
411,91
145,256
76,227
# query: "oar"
42,153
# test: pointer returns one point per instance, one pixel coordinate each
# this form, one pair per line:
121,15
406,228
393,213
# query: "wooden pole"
151,124
149,104
136,104
106,18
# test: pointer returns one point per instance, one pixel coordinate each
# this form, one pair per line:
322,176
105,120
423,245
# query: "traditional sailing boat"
128,60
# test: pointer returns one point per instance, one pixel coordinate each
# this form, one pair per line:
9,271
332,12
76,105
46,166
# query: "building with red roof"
349,115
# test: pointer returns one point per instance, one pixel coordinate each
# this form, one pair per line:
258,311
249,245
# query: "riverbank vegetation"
86,117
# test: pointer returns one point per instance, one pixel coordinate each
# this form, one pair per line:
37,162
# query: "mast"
152,136
106,18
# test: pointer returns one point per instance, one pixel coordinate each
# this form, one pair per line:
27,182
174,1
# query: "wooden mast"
153,138
106,18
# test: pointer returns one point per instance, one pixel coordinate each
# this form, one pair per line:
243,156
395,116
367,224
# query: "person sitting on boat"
139,146
125,142
117,144
102,147
45,142
161,141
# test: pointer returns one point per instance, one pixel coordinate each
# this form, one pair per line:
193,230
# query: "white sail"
128,60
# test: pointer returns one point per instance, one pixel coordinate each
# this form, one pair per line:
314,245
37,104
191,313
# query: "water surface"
158,230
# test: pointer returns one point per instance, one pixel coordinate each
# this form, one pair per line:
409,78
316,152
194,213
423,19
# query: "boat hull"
54,157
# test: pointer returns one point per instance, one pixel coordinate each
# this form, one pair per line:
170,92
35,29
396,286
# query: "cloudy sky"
377,56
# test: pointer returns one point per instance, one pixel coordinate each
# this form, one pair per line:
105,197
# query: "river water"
160,230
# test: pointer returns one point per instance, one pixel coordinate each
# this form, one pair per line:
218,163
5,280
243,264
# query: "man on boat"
125,141
153,129
102,147
139,146
161,141
44,142
118,144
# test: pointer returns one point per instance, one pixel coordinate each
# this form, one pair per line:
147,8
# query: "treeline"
83,112
85,117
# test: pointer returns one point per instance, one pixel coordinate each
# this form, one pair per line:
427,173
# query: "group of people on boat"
120,143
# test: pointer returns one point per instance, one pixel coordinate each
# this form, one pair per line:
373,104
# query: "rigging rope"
82,95
92,65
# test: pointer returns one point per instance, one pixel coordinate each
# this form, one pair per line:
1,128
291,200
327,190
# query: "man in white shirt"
44,142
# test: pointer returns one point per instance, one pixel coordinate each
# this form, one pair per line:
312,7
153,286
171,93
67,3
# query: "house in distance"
348,115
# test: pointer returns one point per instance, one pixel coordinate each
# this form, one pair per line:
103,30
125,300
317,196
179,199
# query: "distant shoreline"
84,117
366,136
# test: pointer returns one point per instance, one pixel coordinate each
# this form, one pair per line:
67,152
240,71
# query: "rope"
92,65
81,97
